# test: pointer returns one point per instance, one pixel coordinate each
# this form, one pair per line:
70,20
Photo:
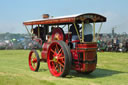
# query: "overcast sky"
14,12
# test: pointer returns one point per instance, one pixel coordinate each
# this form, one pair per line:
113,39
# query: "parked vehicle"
57,46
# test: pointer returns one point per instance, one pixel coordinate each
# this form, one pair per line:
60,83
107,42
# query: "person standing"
74,33
88,29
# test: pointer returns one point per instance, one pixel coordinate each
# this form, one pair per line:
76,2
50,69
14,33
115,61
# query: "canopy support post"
27,30
32,30
99,29
82,31
68,28
94,32
77,32
38,32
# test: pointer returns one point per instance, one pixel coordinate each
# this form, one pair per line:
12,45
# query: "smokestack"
45,16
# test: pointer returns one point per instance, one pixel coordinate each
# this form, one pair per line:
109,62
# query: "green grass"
112,69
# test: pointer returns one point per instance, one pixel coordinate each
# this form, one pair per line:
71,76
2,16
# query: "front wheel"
34,60
59,59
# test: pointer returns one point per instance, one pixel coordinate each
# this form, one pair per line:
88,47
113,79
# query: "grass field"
112,69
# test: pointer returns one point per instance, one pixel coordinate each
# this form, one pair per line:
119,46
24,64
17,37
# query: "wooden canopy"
78,18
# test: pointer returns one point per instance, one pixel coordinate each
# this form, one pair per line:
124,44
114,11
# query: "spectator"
88,32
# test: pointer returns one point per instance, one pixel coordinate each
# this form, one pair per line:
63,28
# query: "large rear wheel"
59,59
34,60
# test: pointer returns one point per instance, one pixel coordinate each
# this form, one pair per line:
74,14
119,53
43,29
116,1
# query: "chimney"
45,16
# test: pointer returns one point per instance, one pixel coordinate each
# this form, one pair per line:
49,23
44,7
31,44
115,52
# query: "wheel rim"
32,61
56,59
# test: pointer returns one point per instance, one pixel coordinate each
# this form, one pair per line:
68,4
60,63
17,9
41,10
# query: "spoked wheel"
58,34
34,60
59,59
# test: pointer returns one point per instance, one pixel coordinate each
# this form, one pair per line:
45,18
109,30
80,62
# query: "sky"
14,12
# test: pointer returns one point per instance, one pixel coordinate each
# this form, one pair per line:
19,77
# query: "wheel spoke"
60,69
51,60
57,47
53,51
34,60
59,51
35,56
33,64
60,64
62,61
55,66
61,58
32,57
61,54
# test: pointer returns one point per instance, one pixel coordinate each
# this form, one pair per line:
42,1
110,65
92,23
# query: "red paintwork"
87,45
85,50
45,51
56,59
32,61
75,41
57,34
88,52
68,20
50,21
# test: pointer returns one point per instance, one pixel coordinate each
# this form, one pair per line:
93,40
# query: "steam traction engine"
57,49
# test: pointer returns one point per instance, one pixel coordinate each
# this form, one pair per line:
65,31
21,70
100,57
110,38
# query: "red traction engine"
57,49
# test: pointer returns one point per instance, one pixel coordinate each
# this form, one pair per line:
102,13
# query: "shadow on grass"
43,70
98,73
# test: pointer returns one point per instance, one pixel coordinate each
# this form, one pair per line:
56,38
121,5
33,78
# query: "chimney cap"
45,16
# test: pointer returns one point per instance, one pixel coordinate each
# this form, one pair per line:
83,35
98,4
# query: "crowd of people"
118,43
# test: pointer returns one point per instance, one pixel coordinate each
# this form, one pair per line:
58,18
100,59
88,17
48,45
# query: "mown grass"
112,69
